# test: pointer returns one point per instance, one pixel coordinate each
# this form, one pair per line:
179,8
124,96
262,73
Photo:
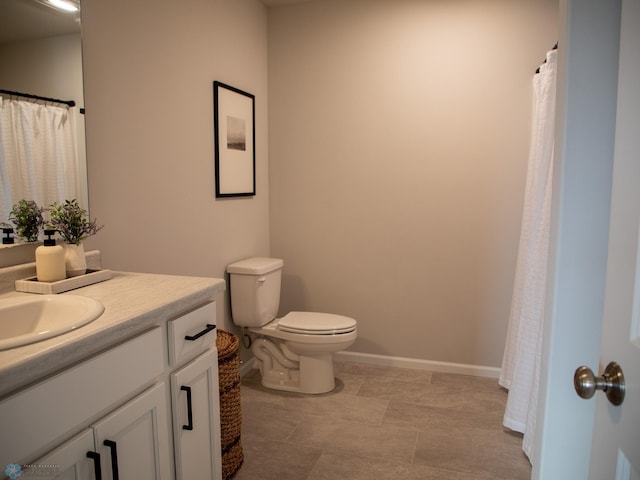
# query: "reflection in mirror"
40,54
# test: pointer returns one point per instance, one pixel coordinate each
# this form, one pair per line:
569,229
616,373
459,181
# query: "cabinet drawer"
39,417
196,325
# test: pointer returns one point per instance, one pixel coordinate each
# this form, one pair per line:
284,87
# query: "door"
67,462
616,435
196,419
134,439
590,298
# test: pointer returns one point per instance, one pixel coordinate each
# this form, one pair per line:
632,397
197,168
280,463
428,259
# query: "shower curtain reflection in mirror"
38,154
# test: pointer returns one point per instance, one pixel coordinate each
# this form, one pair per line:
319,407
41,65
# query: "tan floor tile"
477,384
409,374
252,393
269,460
425,418
381,422
347,383
269,422
473,450
394,389
352,438
333,466
340,406
364,369
444,394
340,403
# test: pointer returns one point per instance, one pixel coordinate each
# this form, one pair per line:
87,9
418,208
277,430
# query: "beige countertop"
134,302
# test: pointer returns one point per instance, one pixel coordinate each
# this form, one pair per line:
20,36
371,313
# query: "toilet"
294,352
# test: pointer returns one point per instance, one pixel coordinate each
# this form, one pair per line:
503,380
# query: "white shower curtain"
521,362
38,154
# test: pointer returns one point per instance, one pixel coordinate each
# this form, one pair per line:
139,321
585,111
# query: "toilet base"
282,369
317,374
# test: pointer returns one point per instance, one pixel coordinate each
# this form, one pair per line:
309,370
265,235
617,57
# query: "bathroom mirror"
41,54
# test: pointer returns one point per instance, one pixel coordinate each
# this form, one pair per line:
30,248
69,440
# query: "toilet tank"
255,290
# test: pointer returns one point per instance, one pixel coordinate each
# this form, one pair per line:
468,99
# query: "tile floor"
380,423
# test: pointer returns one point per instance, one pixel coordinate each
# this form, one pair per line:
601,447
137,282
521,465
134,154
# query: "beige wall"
396,138
399,135
49,67
149,70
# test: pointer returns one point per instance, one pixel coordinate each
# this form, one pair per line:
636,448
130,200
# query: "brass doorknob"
611,383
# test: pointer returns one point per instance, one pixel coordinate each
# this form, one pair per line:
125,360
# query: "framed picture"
234,125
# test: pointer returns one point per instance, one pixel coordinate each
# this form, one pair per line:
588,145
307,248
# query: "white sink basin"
25,320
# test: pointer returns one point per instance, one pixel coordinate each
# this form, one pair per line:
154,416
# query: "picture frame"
235,134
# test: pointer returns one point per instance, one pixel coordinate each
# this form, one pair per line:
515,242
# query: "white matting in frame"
234,126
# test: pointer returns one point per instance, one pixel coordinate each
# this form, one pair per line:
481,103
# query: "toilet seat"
312,323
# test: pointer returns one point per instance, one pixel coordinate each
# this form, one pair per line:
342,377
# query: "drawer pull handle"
97,468
189,425
199,334
114,458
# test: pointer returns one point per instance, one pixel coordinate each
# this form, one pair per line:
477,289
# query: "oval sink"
25,320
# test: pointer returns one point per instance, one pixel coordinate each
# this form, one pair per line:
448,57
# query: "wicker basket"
230,409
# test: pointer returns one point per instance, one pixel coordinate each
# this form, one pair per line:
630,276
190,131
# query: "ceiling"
22,20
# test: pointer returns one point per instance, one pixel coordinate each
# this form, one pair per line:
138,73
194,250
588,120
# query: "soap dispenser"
7,238
50,265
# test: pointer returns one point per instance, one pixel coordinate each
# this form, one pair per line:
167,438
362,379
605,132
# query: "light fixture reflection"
64,5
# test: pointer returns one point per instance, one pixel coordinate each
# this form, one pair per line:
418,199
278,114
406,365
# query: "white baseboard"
433,366
401,362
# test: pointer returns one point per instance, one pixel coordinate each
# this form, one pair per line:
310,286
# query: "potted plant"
73,224
26,215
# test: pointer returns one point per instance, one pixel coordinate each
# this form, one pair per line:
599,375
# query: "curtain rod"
69,103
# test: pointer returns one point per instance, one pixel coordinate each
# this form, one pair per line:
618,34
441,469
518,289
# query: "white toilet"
294,352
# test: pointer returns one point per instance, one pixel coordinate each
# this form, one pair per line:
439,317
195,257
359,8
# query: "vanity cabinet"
43,416
132,442
125,409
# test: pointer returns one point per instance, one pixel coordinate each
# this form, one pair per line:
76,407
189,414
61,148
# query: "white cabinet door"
196,419
134,439
67,462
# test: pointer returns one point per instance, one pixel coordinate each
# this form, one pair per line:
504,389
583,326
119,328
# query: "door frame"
583,164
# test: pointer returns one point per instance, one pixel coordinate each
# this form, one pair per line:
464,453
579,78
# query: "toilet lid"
311,323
